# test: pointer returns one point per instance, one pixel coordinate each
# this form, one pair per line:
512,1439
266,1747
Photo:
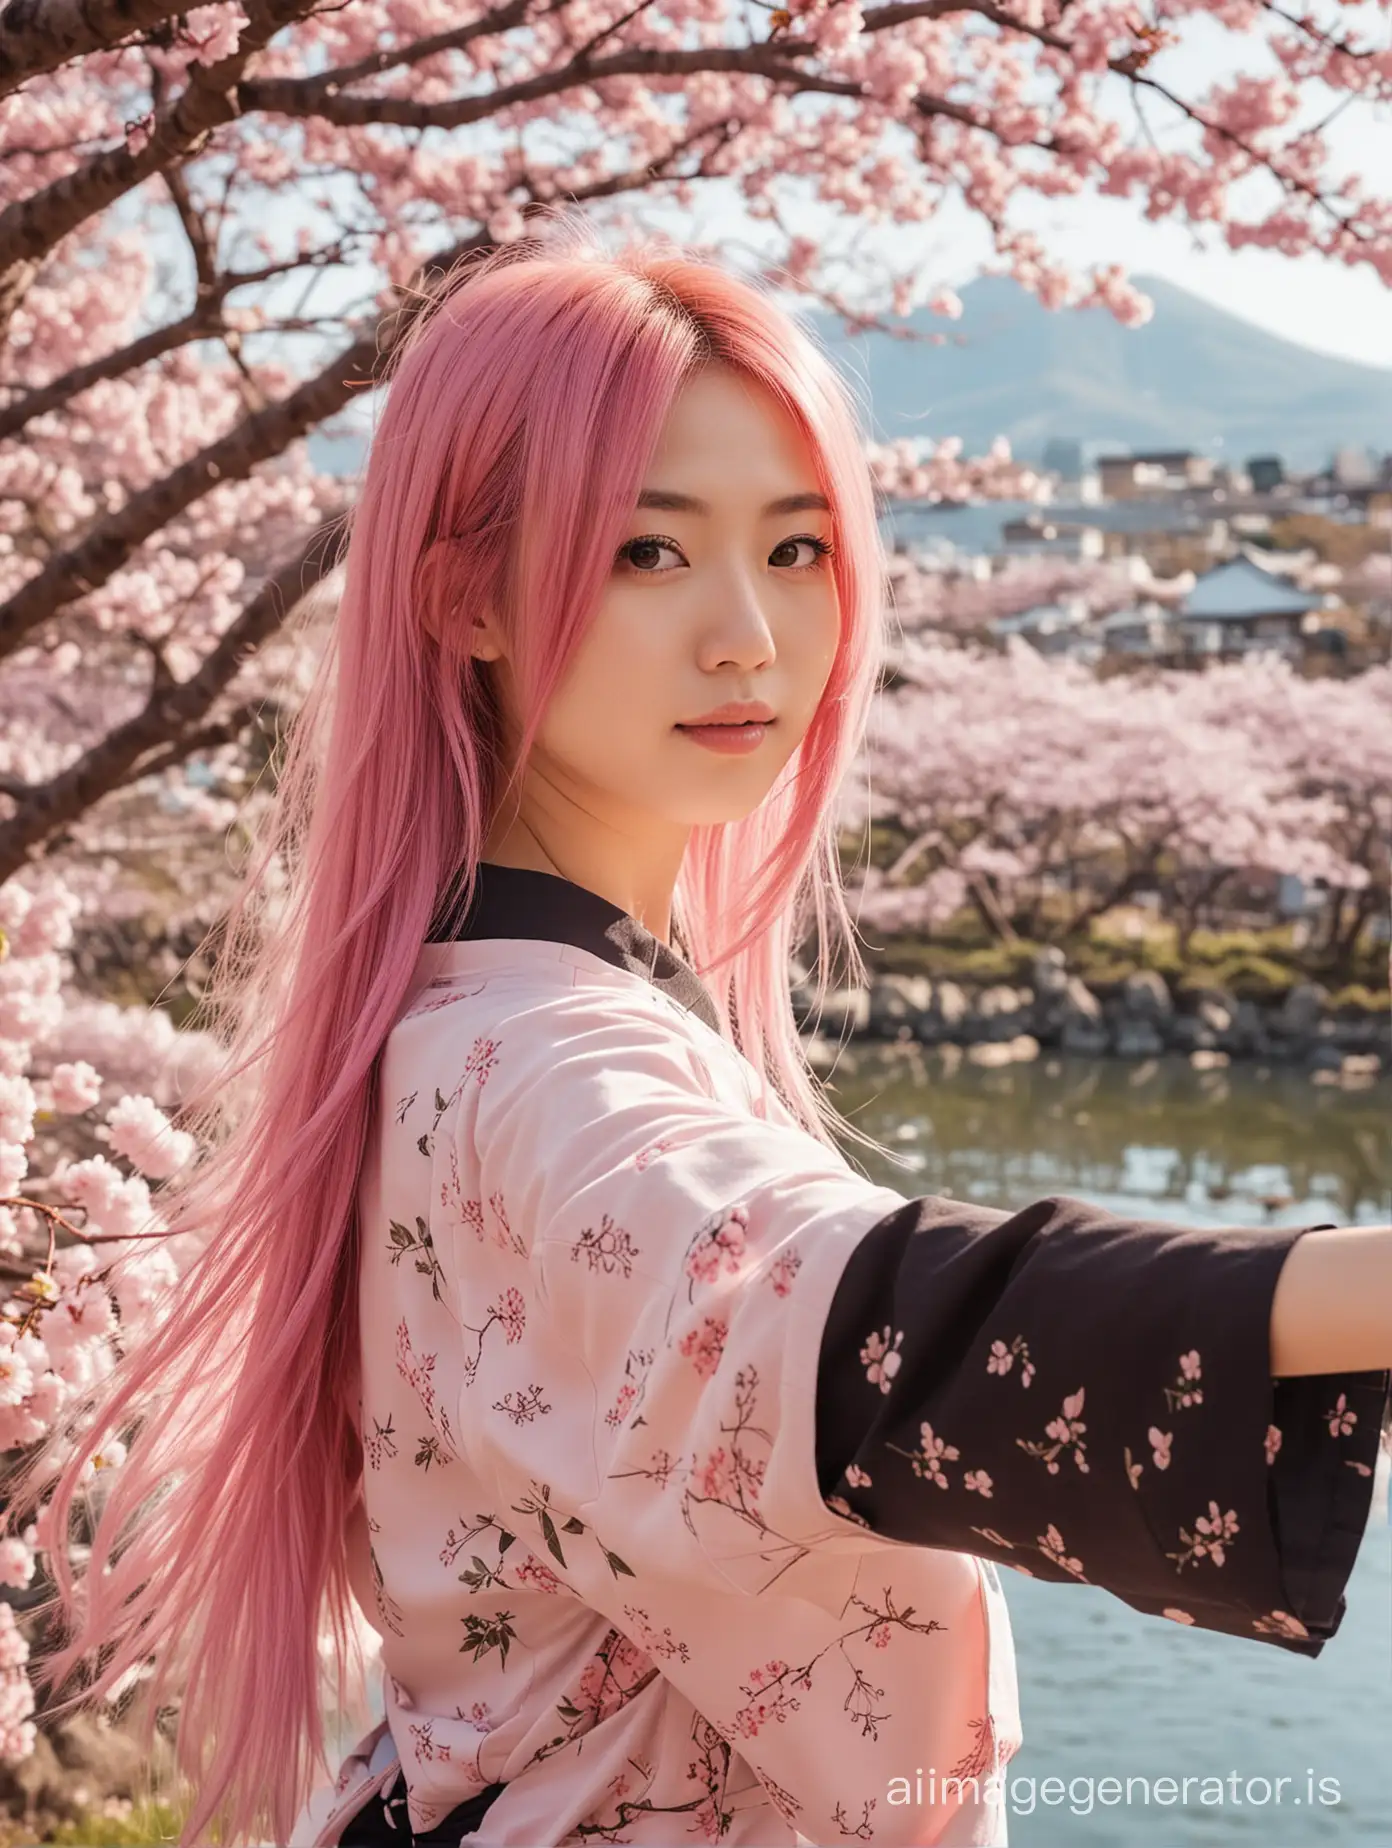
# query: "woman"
669,1458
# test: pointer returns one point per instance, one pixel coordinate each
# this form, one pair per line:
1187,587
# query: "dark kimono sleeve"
1089,1398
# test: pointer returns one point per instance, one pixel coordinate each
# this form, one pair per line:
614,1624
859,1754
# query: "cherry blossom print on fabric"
680,1251
1147,1344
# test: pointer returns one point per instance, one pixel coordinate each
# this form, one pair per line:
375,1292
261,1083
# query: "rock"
990,1053
1246,1035
1050,973
1215,1013
1146,996
1359,1033
1004,1052
944,1018
1300,1013
1361,1065
1189,1034
999,1013
1325,1058
1088,1038
1207,1060
896,1005
1137,1039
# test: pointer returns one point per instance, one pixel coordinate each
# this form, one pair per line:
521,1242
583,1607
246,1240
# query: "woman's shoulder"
548,1017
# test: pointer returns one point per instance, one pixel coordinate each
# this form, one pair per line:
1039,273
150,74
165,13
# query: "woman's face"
722,591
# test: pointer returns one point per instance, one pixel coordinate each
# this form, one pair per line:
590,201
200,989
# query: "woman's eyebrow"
666,501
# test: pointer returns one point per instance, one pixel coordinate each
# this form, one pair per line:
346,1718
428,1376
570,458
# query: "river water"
1105,1692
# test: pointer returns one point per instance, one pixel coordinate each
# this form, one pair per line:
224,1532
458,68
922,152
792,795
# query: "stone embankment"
1138,1018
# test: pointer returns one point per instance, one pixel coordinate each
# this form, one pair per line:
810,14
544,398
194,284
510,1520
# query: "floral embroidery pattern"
645,1157
1186,1390
664,1647
538,1503
483,1056
1341,1420
522,1407
387,1607
630,1393
707,1772
881,1360
505,1238
423,1742
1002,1358
1052,1547
782,1271
379,1444
1212,1531
718,1246
703,1346
447,999
928,1459
1065,1431
404,1240
1273,1443
610,1249
416,1369
428,1452
1279,1623
773,1690
510,1312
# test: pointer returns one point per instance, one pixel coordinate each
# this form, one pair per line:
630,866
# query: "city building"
1243,606
1158,471
1034,536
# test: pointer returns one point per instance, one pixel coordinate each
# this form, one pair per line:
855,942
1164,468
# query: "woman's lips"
733,740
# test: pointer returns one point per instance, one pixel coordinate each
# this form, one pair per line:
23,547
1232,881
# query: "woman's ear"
485,643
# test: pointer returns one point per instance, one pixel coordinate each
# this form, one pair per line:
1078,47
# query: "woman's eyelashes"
642,556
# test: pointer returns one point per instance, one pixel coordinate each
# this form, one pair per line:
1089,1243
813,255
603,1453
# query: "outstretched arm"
1332,1310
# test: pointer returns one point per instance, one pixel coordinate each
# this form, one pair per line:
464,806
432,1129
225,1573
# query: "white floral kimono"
687,1452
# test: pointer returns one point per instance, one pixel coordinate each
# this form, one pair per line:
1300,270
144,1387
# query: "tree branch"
101,552
39,35
203,319
31,227
172,709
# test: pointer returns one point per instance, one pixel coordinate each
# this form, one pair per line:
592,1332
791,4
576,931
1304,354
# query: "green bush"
1247,977
1365,999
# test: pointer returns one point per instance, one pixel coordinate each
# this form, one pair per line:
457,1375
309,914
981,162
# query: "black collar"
514,901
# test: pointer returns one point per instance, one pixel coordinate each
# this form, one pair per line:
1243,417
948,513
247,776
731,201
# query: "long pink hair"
524,407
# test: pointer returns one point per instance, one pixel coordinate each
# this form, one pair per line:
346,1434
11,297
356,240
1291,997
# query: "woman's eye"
644,555
819,548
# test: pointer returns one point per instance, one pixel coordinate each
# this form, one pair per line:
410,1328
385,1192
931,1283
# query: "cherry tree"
217,224
1002,775
930,596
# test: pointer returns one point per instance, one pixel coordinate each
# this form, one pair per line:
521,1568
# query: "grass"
144,1824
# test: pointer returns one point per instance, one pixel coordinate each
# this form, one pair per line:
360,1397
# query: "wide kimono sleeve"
1089,1398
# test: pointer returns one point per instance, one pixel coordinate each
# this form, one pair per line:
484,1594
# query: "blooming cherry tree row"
1006,774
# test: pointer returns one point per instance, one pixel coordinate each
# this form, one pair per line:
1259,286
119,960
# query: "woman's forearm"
1332,1310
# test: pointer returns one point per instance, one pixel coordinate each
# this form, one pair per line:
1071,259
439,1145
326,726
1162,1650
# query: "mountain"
1193,375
